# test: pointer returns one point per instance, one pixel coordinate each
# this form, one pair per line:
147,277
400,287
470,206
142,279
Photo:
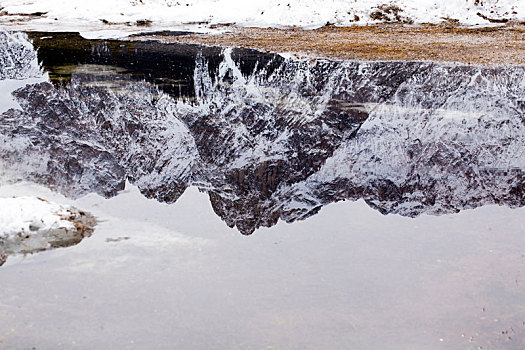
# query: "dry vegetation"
447,42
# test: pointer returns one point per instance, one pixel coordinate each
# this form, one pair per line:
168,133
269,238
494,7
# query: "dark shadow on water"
169,66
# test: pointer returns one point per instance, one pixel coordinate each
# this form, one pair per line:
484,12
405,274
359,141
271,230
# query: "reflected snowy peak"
267,138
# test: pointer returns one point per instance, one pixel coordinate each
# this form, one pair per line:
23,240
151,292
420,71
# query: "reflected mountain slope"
267,138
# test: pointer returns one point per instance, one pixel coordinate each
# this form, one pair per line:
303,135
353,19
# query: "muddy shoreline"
490,46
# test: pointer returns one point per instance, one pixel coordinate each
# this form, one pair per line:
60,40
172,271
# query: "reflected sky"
346,278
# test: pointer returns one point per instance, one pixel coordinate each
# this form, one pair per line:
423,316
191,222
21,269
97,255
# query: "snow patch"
30,224
100,17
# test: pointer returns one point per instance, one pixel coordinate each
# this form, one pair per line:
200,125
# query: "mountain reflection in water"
266,137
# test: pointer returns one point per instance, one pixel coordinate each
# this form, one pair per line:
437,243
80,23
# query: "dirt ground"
501,45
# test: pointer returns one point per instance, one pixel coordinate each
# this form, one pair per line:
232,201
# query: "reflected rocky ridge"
266,137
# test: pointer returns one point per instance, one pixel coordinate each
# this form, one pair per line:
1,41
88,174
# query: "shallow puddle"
224,142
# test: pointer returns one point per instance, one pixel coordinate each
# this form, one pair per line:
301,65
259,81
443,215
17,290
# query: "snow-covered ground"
105,16
29,215
29,224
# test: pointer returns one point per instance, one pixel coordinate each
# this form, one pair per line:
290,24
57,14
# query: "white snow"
31,224
30,216
199,15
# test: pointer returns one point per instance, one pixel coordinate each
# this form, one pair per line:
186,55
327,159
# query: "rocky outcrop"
3,257
270,138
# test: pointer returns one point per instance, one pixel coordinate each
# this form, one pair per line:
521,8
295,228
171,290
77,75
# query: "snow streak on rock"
271,139
92,139
450,138
18,59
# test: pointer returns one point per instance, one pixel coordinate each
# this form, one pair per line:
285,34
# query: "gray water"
164,277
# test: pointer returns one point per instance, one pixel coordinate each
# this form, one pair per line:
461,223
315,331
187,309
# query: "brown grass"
504,45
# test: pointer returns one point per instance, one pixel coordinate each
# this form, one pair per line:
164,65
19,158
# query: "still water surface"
174,276
308,156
